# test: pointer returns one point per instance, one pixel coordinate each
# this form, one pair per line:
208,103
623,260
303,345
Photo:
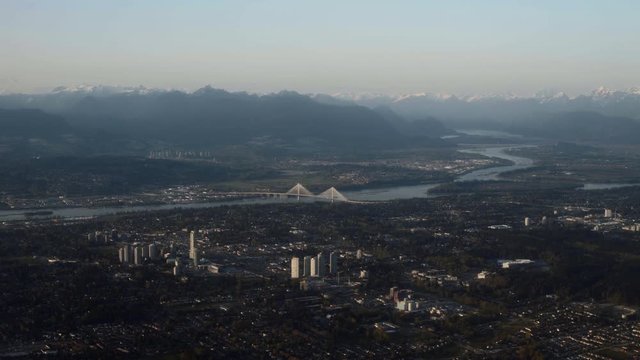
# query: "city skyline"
282,179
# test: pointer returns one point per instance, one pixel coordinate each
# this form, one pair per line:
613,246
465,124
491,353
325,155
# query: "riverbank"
367,194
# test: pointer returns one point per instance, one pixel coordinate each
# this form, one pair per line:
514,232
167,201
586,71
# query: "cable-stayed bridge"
299,191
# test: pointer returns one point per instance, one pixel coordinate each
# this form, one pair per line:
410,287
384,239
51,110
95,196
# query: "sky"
328,46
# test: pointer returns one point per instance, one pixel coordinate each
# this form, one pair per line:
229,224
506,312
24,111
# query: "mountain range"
208,118
412,106
506,107
603,116
104,119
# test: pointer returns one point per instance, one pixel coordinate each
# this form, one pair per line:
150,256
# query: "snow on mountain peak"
602,92
422,95
102,90
634,90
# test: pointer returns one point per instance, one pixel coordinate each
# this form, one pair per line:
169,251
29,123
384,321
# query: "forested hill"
211,117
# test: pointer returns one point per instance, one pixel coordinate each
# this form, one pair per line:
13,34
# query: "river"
374,194
493,173
422,191
606,186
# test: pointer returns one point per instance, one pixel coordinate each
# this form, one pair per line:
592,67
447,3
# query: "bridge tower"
333,194
298,191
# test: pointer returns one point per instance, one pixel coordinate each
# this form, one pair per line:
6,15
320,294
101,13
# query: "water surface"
374,194
493,173
605,186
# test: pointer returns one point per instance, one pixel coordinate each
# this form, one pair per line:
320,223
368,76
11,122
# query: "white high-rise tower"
295,267
192,244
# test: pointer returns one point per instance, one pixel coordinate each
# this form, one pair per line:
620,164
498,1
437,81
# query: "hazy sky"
461,47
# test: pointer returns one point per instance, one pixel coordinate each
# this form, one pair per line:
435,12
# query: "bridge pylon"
299,190
333,194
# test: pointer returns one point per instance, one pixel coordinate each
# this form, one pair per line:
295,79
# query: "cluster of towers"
103,237
137,254
403,299
177,154
314,266
543,221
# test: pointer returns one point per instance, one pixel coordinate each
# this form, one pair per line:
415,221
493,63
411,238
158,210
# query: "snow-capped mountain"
502,106
103,90
543,95
412,106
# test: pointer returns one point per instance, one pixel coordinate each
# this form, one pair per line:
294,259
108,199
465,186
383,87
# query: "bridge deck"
267,193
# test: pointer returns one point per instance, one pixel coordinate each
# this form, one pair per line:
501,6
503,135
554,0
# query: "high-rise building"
177,270
608,213
527,221
359,254
333,262
314,267
307,266
137,255
192,244
153,251
128,258
393,292
196,259
295,267
321,264
121,255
